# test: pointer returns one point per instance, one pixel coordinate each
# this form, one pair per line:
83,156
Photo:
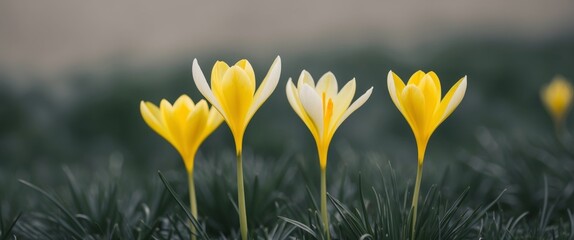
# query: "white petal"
305,77
266,88
358,103
201,83
456,99
328,84
290,90
312,105
392,88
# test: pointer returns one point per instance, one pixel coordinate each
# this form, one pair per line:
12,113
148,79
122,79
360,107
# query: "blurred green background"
72,75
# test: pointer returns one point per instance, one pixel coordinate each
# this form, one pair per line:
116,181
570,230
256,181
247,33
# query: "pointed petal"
413,102
328,84
236,97
266,87
436,82
294,101
203,87
217,72
432,97
395,86
416,78
245,65
356,105
342,101
152,117
305,78
311,102
452,99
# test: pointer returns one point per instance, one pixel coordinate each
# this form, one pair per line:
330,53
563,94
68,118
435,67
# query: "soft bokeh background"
72,74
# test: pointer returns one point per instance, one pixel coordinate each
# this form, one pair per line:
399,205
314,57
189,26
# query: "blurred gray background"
72,72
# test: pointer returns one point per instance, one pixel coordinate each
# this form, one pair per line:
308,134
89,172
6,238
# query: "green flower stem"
324,213
241,197
193,203
416,198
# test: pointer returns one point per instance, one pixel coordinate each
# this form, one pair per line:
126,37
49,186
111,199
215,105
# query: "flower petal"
452,99
327,84
342,101
236,97
312,103
203,87
246,66
152,117
294,101
266,87
358,103
416,78
413,102
305,78
395,86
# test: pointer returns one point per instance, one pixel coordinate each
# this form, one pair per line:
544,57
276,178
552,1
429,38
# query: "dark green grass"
368,199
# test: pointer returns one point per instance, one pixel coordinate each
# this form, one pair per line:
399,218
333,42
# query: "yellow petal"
152,117
436,82
266,87
173,126
450,101
236,96
327,84
246,66
432,96
413,102
395,86
195,125
213,120
416,78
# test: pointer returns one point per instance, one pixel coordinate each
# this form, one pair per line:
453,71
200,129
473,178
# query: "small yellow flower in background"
557,98
185,125
233,92
420,103
323,108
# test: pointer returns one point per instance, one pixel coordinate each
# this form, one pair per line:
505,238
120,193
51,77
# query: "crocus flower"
323,108
233,92
557,98
185,125
420,103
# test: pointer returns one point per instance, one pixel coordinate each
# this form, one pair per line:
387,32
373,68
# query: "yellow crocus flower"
420,103
234,94
185,125
557,98
323,108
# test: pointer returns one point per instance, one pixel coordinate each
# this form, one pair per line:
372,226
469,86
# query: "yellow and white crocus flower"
184,124
322,107
234,94
557,98
420,103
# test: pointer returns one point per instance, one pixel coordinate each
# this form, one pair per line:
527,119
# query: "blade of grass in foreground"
202,234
